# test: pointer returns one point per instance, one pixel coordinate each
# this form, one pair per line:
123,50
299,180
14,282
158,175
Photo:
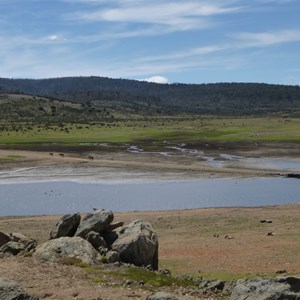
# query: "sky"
154,40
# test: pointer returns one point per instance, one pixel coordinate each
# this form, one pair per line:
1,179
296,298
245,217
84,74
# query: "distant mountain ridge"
146,97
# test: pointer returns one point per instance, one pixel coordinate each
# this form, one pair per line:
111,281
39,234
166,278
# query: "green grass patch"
99,280
185,129
156,279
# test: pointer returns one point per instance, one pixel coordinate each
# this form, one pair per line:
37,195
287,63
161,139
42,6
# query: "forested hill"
138,96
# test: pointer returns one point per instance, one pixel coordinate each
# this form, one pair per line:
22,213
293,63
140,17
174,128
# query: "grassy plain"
183,129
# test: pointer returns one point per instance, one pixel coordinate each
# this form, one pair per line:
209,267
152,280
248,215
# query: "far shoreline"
124,165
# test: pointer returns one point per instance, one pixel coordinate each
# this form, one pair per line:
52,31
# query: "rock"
137,244
96,239
28,243
10,290
102,250
114,226
267,289
110,236
76,247
162,296
216,285
12,248
16,237
112,256
165,272
97,221
66,226
4,238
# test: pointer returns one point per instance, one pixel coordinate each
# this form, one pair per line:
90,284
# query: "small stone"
161,296
112,256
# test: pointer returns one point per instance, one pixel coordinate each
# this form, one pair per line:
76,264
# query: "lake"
62,196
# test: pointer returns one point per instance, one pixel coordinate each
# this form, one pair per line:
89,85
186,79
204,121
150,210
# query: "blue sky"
157,40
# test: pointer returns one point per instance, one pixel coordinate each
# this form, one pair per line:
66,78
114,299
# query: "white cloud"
260,39
156,79
179,15
197,51
53,37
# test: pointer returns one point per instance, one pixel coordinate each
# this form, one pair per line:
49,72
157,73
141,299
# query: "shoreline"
151,166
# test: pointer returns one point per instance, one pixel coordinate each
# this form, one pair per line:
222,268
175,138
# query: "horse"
91,157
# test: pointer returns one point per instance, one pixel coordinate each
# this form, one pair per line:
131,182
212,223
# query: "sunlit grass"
275,129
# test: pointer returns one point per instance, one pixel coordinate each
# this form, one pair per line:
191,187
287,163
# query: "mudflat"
213,159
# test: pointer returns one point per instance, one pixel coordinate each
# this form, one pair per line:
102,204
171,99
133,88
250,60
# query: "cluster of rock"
95,238
244,289
267,288
14,243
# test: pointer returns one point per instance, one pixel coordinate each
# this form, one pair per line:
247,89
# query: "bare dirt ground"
191,242
223,243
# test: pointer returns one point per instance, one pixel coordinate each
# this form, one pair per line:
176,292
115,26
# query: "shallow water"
60,197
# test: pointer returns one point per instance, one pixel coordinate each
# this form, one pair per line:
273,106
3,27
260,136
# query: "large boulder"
137,244
96,221
66,226
267,289
70,247
4,238
10,290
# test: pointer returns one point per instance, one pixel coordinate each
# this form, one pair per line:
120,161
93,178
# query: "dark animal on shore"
50,153
91,157
61,154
